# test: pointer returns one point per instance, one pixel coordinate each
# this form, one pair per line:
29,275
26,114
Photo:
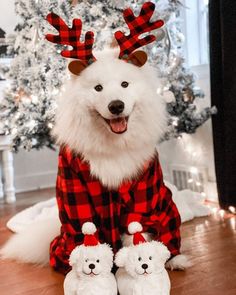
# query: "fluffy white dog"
91,267
111,115
142,266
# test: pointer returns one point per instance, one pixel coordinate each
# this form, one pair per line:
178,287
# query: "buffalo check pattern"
82,198
71,36
137,26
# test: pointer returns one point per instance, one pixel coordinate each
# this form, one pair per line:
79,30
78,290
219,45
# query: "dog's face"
92,260
143,259
114,100
113,90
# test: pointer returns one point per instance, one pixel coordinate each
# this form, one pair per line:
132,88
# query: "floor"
210,242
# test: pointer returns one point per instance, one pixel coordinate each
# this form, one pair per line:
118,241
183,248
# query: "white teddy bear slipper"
142,266
91,267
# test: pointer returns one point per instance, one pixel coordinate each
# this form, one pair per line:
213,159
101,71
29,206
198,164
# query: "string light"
232,209
194,170
50,125
175,122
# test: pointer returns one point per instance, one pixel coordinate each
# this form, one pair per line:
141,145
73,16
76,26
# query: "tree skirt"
190,205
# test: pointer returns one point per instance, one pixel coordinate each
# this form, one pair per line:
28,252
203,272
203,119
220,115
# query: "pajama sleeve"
73,205
151,204
168,221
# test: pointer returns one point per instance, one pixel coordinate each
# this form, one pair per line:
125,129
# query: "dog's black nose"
116,107
91,266
144,266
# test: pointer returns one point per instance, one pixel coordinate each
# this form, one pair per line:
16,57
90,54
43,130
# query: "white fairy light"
232,209
34,98
198,183
222,212
194,170
203,194
14,131
50,125
55,91
233,223
175,122
190,180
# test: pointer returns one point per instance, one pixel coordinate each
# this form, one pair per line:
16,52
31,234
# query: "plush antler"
71,36
138,26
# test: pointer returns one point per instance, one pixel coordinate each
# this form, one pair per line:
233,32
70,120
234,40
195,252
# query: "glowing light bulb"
194,170
175,122
190,180
232,209
222,212
214,210
198,183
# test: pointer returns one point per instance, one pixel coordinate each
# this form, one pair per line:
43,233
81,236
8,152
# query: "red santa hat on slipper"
135,229
89,229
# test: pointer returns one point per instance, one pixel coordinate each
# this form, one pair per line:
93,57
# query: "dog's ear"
74,256
121,257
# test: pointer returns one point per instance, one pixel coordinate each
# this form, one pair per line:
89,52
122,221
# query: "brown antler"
71,36
137,25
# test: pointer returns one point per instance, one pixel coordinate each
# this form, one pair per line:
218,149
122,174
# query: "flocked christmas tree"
37,72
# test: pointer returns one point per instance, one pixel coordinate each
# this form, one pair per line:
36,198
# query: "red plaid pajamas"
82,198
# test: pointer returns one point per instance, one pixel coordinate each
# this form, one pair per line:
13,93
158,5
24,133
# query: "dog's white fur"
132,280
79,123
32,244
80,280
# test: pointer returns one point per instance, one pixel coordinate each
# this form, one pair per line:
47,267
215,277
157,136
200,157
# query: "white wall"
8,19
35,169
173,152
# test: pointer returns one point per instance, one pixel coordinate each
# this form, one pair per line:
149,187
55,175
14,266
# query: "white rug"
189,204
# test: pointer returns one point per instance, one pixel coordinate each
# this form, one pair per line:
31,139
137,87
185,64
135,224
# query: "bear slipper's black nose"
91,266
144,266
116,107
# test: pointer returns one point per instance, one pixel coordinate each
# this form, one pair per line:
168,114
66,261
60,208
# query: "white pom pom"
134,227
89,228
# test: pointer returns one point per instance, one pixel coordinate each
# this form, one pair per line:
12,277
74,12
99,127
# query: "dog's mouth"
118,125
145,273
91,273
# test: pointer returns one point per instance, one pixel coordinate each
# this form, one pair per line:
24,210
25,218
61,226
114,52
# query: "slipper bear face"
143,259
92,260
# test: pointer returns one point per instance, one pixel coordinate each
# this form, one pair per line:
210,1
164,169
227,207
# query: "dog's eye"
139,259
124,84
86,260
150,258
98,261
98,88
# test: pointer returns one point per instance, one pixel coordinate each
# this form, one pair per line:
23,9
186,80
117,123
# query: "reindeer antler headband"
127,43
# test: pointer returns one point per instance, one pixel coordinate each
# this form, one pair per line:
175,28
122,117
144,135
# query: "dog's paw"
179,262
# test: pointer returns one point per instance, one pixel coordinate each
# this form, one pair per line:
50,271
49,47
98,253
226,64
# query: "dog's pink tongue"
118,125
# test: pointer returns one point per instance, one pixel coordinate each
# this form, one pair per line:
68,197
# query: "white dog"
142,267
91,267
111,116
